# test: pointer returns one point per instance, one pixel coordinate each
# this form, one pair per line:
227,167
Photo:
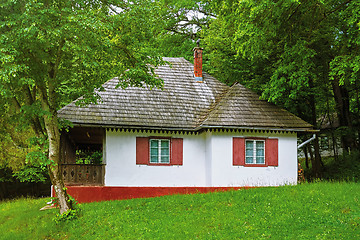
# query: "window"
255,152
159,151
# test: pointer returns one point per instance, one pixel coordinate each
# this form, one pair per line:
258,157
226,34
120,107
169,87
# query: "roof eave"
134,127
263,128
195,129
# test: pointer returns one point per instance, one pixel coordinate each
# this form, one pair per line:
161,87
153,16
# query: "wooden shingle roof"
182,104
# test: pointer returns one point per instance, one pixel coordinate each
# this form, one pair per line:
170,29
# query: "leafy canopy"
53,51
74,45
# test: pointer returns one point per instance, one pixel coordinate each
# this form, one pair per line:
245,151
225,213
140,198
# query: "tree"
177,24
344,67
53,51
295,53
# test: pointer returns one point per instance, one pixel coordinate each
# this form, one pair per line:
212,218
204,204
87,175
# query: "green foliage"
290,51
176,24
321,210
13,144
83,43
21,154
67,216
221,58
32,174
85,157
345,168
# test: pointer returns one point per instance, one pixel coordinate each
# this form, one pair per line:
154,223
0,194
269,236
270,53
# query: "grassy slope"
307,211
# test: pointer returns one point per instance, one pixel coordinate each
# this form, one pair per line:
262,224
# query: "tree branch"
206,13
16,103
336,9
293,13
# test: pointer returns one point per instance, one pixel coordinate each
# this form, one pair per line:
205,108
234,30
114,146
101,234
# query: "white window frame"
254,157
159,151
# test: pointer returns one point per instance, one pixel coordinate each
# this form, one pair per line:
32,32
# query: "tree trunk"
311,153
49,103
316,163
334,145
51,125
306,157
341,96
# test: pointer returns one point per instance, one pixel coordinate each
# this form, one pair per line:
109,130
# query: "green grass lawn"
309,211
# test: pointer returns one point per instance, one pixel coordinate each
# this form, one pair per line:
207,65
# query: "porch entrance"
82,156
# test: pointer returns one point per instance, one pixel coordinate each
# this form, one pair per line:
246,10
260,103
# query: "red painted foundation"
85,194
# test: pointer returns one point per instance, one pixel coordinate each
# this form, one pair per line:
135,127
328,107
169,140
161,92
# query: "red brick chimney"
198,63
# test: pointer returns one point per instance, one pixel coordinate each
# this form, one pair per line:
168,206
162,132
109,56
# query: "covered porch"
82,160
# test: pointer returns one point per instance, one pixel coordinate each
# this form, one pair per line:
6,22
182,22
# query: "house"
194,135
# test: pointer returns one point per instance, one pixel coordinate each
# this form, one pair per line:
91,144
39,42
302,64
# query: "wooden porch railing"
83,174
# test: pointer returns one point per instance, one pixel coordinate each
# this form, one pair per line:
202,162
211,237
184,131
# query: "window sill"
255,165
160,164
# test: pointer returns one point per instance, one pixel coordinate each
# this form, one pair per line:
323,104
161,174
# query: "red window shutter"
177,151
142,150
238,151
271,152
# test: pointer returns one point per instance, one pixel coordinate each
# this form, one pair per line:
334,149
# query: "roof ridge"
217,103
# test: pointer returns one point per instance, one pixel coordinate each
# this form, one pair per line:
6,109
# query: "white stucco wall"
121,168
207,161
225,174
